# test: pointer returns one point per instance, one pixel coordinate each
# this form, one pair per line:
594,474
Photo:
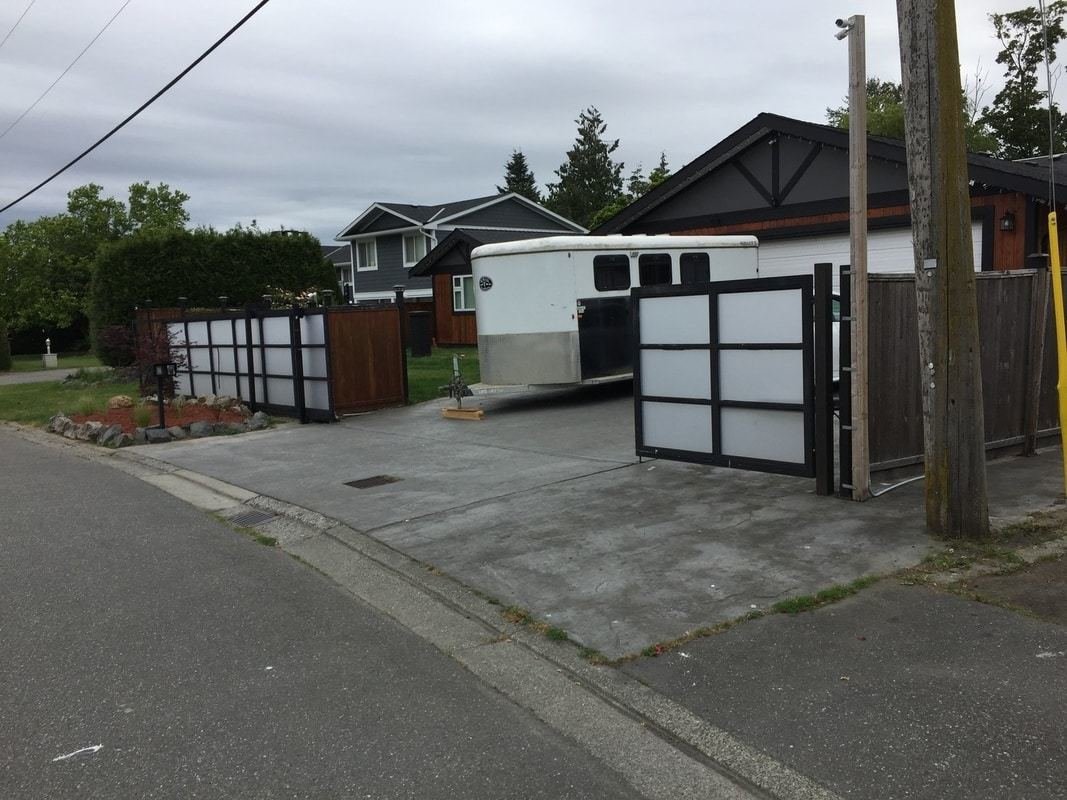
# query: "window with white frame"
366,255
463,293
414,249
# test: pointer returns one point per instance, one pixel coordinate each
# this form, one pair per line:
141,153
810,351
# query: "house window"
654,269
695,268
611,273
414,249
463,293
367,255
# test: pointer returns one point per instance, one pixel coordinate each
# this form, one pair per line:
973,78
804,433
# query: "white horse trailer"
556,310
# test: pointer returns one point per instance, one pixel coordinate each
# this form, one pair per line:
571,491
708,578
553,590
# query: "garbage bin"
420,334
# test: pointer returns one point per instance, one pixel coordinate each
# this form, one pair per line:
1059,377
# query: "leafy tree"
636,185
589,179
1017,119
885,116
47,264
519,178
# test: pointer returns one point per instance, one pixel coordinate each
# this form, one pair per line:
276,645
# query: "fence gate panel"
283,367
723,374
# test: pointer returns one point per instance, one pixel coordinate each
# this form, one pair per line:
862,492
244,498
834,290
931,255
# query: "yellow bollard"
1061,335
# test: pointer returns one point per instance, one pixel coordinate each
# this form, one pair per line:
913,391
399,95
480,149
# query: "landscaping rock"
93,429
206,400
258,421
122,440
177,432
157,435
120,401
200,429
224,401
139,436
109,436
72,431
241,408
58,422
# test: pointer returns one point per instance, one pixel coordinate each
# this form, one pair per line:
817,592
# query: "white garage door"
887,251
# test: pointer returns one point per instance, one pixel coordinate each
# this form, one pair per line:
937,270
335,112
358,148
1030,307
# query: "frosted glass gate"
276,360
724,374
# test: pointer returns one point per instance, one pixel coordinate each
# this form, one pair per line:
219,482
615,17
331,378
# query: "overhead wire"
17,22
44,94
140,108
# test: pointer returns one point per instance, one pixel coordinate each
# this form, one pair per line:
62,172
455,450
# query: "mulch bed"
189,414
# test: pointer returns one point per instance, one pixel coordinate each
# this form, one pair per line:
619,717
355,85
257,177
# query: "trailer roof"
614,242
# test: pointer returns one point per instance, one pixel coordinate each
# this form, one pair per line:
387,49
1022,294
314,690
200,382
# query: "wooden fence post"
1035,359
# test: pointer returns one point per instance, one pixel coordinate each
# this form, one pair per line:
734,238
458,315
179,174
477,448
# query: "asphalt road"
193,662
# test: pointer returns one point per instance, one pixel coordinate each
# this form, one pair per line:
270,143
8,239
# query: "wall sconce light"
1007,222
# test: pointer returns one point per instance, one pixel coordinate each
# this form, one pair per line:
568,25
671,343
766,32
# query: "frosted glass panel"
317,395
226,385
181,384
766,376
279,362
676,373
197,333
224,361
276,330
675,320
760,317
280,392
221,332
311,330
200,360
678,426
771,435
315,362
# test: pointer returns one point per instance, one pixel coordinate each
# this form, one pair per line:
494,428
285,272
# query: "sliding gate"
725,374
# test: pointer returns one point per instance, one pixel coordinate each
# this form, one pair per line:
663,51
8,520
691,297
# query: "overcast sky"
316,108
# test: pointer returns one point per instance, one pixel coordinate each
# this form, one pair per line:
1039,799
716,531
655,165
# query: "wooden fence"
310,363
1017,340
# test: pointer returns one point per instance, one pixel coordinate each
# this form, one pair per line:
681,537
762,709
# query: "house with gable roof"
389,239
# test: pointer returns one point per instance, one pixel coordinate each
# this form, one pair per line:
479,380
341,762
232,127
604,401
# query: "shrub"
5,348
142,416
202,265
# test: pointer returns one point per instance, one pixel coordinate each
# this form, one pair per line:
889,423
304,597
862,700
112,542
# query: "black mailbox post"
163,371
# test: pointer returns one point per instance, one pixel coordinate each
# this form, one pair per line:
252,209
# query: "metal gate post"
250,355
824,393
844,389
296,347
403,341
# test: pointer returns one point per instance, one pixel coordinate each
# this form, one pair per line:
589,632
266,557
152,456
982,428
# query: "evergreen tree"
1018,117
589,179
519,178
636,185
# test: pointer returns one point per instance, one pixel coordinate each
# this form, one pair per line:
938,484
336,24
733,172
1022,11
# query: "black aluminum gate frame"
817,405
249,317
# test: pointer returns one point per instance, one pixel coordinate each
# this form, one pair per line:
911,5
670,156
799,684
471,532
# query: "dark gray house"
388,239
340,256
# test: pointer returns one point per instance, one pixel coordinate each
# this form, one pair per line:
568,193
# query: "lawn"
427,375
34,403
71,361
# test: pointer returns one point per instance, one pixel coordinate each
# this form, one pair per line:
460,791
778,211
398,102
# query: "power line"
142,107
23,14
92,41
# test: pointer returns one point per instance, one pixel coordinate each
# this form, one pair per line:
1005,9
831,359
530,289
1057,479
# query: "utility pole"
953,416
855,29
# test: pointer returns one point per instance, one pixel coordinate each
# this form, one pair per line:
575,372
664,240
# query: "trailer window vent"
374,480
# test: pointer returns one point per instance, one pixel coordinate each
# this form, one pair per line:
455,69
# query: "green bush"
5,348
202,265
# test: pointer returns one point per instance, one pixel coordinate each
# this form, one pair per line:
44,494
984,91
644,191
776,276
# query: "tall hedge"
200,265
5,348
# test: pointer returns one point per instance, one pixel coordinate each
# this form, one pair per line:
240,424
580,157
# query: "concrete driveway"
543,505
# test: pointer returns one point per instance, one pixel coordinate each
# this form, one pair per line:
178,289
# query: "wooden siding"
451,328
1005,318
366,361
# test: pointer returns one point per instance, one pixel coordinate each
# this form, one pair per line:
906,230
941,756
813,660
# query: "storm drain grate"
375,480
247,519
